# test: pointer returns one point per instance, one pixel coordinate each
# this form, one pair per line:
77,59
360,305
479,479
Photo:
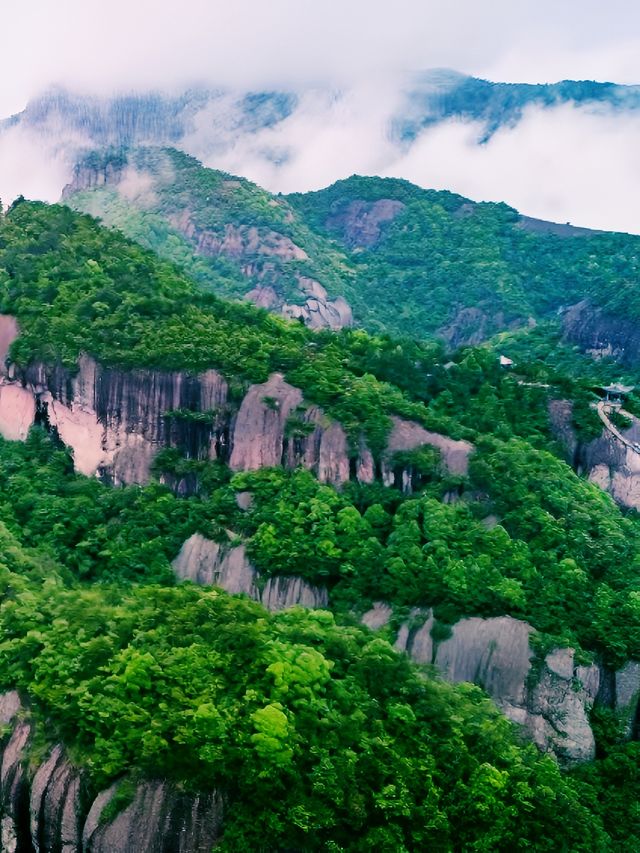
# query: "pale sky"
130,44
563,163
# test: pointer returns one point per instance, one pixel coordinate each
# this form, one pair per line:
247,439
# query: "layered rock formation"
270,260
601,334
116,421
611,461
49,809
550,697
226,565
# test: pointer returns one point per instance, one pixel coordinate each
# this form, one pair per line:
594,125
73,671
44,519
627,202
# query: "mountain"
306,138
439,95
160,439
230,234
220,117
382,253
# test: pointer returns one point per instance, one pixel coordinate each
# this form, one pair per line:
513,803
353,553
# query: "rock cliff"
271,262
116,421
611,461
226,565
549,697
601,334
48,808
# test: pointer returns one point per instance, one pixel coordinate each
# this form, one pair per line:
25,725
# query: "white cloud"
134,44
563,164
566,163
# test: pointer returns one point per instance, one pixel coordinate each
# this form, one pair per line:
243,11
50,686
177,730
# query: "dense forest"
411,262
320,735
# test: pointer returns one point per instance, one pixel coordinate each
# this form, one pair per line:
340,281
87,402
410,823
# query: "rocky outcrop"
226,565
237,242
57,804
560,420
160,819
260,426
47,808
267,258
550,698
360,223
116,421
601,334
407,436
318,311
216,564
626,696
613,463
14,792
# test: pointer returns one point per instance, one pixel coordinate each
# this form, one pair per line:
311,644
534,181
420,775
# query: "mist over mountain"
559,151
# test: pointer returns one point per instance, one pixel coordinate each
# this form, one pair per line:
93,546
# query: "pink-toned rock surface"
407,435
8,333
17,411
258,437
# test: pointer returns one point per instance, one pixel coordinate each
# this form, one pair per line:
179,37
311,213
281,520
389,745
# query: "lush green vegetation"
442,254
442,265
76,287
168,201
321,736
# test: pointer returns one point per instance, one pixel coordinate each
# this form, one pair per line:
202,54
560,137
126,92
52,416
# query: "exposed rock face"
48,810
378,616
260,425
323,450
551,703
238,242
227,566
57,805
9,331
610,461
212,564
159,820
558,706
560,418
360,223
116,421
14,790
601,334
407,435
614,464
626,698
469,327
318,311
266,257
493,653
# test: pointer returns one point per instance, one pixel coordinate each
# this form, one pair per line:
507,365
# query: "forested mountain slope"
396,258
304,730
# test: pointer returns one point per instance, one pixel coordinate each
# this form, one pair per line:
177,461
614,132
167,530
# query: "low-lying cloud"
564,163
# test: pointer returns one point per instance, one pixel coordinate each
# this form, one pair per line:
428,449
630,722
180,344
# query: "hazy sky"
123,44
565,163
